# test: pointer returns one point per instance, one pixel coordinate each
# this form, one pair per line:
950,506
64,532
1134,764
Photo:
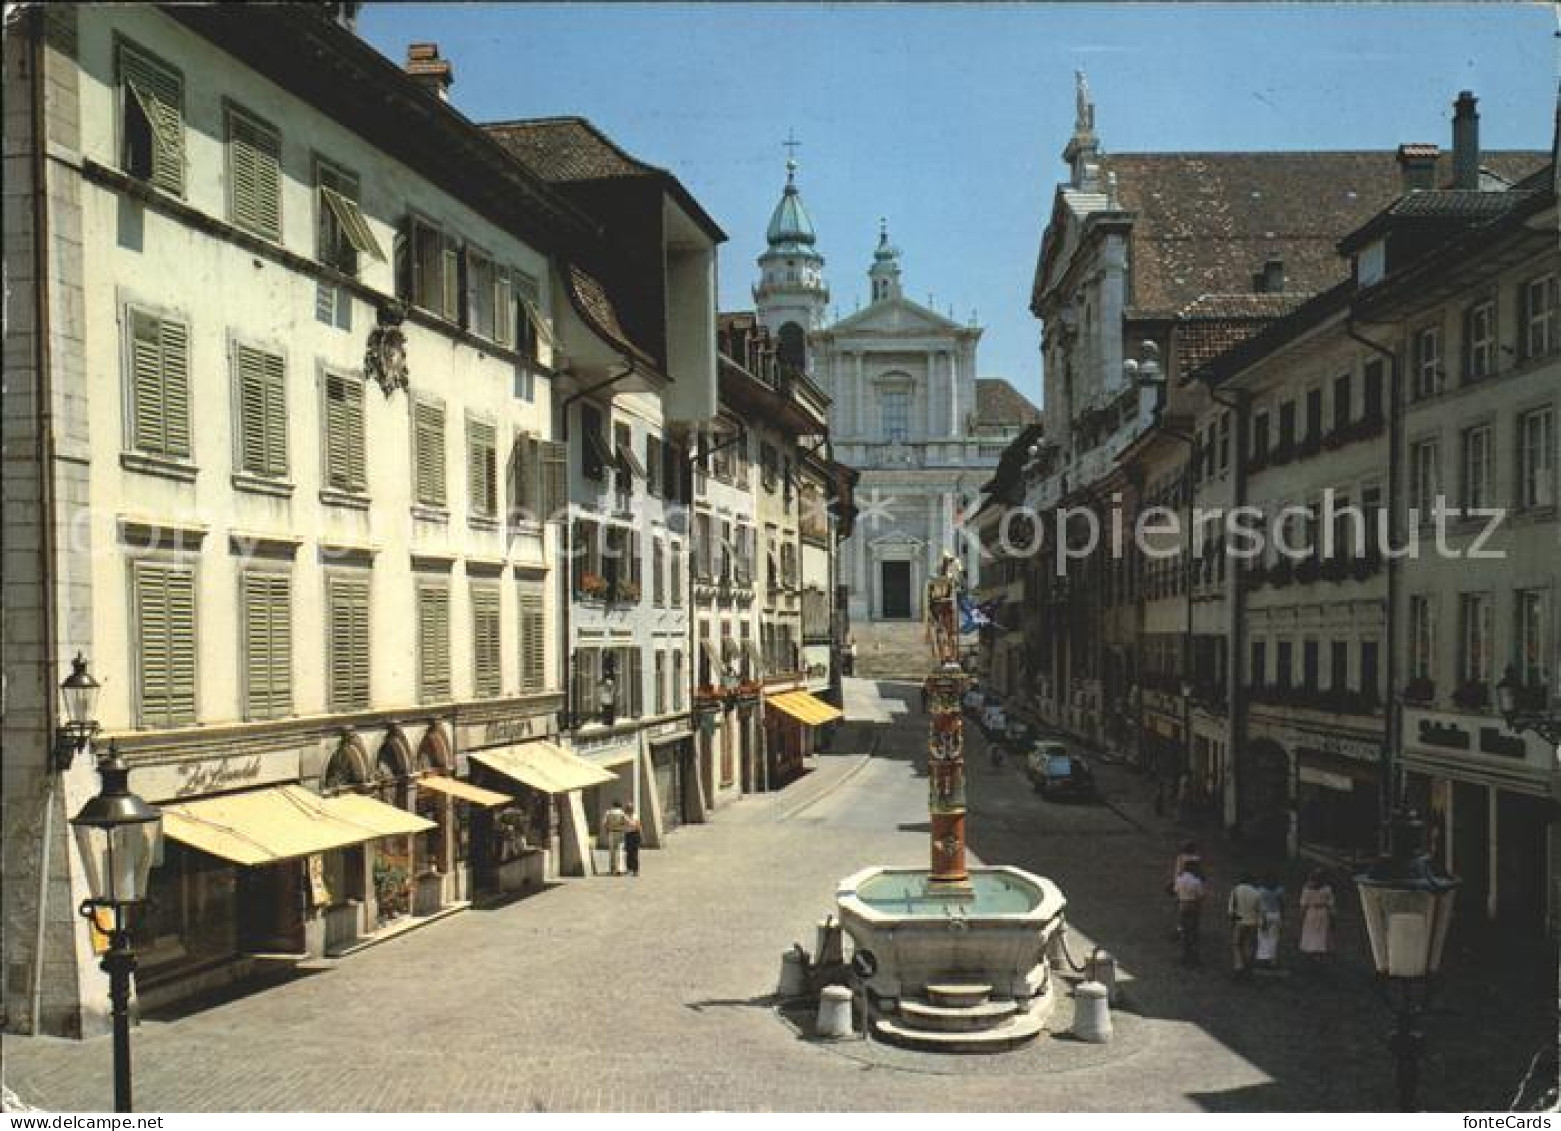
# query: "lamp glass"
606,692
118,858
1407,927
79,694
1507,694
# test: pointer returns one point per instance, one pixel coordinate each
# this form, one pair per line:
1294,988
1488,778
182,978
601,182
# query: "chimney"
1273,276
1417,165
1466,142
431,72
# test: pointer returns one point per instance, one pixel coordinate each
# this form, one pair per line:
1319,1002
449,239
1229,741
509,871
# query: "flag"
974,616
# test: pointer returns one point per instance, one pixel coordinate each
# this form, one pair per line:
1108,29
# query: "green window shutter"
267,645
262,397
160,385
159,94
488,677
428,424
341,202
255,170
433,642
533,645
482,468
165,613
450,259
554,479
347,645
344,439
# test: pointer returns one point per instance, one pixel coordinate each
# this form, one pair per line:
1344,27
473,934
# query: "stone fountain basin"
997,936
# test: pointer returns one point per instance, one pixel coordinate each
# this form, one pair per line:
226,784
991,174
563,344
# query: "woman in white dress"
1317,908
1271,897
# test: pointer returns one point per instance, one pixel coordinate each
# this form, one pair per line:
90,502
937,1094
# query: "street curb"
861,764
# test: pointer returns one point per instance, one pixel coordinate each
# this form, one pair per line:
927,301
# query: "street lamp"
119,836
79,696
606,697
1508,693
1407,908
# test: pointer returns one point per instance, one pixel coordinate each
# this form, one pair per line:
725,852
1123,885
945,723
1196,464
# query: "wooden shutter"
159,94
433,642
341,201
487,677
533,640
164,601
344,439
482,468
451,265
347,647
262,398
428,441
554,460
160,385
267,644
255,170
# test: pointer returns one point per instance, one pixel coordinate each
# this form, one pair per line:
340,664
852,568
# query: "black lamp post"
118,835
1509,694
1408,908
79,696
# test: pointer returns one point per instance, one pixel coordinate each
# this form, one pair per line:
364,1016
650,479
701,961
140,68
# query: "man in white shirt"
615,823
1246,916
1188,887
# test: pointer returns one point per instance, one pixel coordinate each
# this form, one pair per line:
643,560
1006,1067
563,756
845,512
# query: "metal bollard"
834,1012
793,974
828,942
1101,967
1091,1013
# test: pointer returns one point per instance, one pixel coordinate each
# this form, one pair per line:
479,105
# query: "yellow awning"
464,790
283,822
544,766
805,708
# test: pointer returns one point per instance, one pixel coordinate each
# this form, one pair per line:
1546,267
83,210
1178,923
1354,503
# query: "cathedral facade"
907,411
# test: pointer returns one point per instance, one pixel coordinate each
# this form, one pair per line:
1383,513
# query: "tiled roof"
1249,305
1000,404
1460,203
596,307
1204,223
566,149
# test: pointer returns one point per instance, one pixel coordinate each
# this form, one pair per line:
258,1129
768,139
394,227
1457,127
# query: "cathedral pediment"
898,316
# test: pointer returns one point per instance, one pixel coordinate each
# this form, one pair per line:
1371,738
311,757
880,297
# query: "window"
594,456
1224,440
1283,661
1479,341
661,682
1428,361
654,467
482,469
1375,531
433,642
430,270
344,436
1373,391
1341,402
266,605
428,453
1538,335
1474,660
520,308
626,465
163,607
704,548
675,553
151,145
1286,426
1476,467
896,414
1422,639
254,175
347,642
538,479
1259,670
1338,665
1260,436
482,295
1309,660
1423,482
1314,416
1531,608
260,381
768,463
341,231
1536,459
677,679
658,572
487,670
532,636
159,385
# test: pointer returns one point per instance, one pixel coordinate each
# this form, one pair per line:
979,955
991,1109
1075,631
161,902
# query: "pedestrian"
615,822
1271,899
633,837
1189,890
1317,911
1246,916
851,656
1188,854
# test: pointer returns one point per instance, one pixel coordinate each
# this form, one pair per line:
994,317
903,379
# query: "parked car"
1055,771
994,720
974,700
1017,734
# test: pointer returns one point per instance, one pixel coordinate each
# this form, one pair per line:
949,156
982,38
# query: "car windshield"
1057,764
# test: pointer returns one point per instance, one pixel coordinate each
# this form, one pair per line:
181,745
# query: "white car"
994,720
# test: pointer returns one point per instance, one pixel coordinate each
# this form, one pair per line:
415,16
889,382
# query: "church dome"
791,231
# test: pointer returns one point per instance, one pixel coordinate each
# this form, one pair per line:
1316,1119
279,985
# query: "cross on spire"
791,145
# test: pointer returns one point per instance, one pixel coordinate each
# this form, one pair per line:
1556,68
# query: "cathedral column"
955,375
860,393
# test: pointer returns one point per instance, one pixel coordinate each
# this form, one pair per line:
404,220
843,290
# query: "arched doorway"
436,849
393,862
1265,793
342,872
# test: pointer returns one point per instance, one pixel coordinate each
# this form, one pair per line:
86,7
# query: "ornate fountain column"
945,688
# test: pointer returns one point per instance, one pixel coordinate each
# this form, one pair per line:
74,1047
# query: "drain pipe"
1393,722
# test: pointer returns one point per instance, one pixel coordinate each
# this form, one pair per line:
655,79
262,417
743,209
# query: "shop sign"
198,777
507,731
1334,744
1436,733
605,751
1311,775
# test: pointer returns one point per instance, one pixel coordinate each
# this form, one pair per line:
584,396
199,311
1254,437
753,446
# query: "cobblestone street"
653,994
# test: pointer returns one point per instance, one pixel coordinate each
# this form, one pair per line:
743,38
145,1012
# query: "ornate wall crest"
385,359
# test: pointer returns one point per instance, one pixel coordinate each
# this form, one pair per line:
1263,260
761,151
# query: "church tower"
791,295
884,274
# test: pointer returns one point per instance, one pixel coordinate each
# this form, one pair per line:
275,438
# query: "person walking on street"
633,837
1317,911
1271,898
615,823
1246,916
1189,909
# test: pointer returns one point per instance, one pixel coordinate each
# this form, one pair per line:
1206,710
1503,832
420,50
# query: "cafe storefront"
791,719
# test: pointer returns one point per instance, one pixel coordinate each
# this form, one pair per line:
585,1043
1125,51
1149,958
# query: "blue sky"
949,119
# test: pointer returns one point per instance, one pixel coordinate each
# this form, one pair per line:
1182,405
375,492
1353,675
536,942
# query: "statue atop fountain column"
945,689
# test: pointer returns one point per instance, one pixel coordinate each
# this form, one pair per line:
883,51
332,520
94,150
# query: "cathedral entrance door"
895,588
